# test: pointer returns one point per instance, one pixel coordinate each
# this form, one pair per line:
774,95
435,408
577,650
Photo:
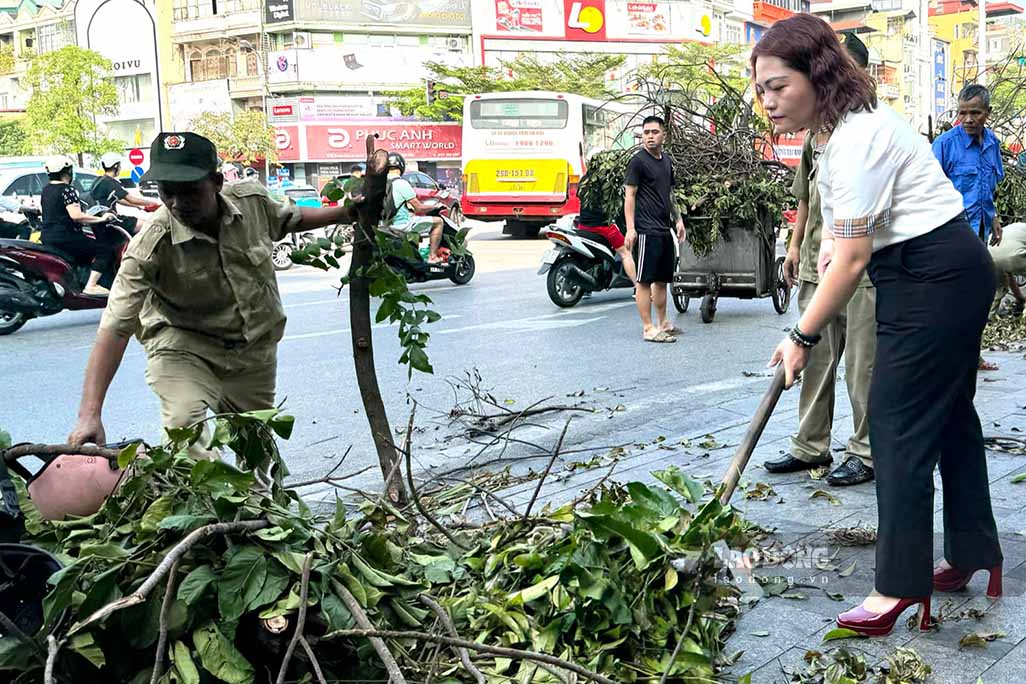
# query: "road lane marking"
343,331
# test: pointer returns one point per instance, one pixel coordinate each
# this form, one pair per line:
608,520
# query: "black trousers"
98,251
933,294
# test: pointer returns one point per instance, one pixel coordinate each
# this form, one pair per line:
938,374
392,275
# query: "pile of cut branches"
723,177
195,571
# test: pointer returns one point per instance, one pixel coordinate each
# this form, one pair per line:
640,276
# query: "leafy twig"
684,634
328,479
413,490
451,628
366,627
304,590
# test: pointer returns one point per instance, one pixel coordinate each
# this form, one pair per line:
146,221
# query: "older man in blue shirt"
970,155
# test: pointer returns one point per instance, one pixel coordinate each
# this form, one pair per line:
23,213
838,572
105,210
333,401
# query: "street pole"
981,53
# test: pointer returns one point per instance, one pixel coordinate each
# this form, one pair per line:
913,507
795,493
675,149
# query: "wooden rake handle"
755,428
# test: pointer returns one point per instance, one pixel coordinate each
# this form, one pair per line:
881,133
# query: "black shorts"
655,257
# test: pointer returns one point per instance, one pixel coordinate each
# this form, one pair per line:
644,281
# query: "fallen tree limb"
165,608
58,449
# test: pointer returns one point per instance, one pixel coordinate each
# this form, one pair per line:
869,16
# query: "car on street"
427,188
303,195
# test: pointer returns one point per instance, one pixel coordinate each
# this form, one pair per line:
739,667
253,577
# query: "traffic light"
436,91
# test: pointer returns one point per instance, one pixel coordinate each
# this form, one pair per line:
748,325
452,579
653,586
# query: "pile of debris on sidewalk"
723,168
198,570
1005,333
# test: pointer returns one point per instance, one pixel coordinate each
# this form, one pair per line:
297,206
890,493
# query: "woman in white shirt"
890,208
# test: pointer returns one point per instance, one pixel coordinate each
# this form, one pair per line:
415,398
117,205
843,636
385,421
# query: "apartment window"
894,25
183,10
732,33
213,64
55,36
134,89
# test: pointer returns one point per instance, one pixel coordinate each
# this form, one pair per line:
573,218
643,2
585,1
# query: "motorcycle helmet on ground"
110,160
71,484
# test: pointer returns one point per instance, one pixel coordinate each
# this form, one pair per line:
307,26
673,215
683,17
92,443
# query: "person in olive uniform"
852,335
198,289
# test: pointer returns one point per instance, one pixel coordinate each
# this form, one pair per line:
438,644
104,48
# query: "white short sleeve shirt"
878,177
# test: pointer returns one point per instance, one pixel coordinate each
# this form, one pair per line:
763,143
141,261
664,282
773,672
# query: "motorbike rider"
404,200
65,226
109,192
595,219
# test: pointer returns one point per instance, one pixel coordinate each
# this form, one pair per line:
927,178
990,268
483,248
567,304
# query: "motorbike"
581,262
457,267
17,222
37,280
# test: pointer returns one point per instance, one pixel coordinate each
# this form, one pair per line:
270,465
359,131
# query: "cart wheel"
781,289
681,301
708,308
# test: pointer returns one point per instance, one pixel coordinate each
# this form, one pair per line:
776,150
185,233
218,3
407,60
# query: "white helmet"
58,163
110,160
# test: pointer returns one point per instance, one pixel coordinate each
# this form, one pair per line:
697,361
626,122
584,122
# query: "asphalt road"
502,324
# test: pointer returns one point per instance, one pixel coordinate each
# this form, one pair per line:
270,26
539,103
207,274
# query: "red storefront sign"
286,139
585,19
347,141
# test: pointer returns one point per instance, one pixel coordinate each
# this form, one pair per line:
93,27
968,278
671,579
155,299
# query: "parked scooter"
37,280
459,268
17,222
581,262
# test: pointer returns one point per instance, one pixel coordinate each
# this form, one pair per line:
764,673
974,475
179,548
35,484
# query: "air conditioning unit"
454,44
301,40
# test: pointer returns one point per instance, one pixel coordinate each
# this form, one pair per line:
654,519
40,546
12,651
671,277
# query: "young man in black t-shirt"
650,213
108,191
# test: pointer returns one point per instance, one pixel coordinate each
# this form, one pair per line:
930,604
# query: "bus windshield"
519,114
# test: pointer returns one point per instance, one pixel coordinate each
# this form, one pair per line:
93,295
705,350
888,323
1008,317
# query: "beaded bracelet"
803,340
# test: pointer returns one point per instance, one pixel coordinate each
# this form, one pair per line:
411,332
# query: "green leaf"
680,482
186,523
645,547
419,360
841,633
59,598
534,592
195,584
291,560
5,440
283,425
1019,478
219,657
156,512
241,582
274,586
288,604
108,551
670,579
273,534
335,610
84,645
219,479
181,657
127,455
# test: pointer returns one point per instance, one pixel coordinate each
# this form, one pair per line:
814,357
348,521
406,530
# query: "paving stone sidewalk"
803,521
699,429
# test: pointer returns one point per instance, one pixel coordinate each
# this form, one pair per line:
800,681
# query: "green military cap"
181,158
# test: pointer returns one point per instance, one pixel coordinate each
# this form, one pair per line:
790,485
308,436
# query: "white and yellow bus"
524,153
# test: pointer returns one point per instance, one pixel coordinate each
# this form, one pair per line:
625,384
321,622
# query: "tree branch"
58,449
548,468
314,663
413,490
176,554
304,591
474,646
158,664
356,610
451,628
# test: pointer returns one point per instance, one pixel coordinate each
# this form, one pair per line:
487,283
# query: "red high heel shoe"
860,620
952,579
